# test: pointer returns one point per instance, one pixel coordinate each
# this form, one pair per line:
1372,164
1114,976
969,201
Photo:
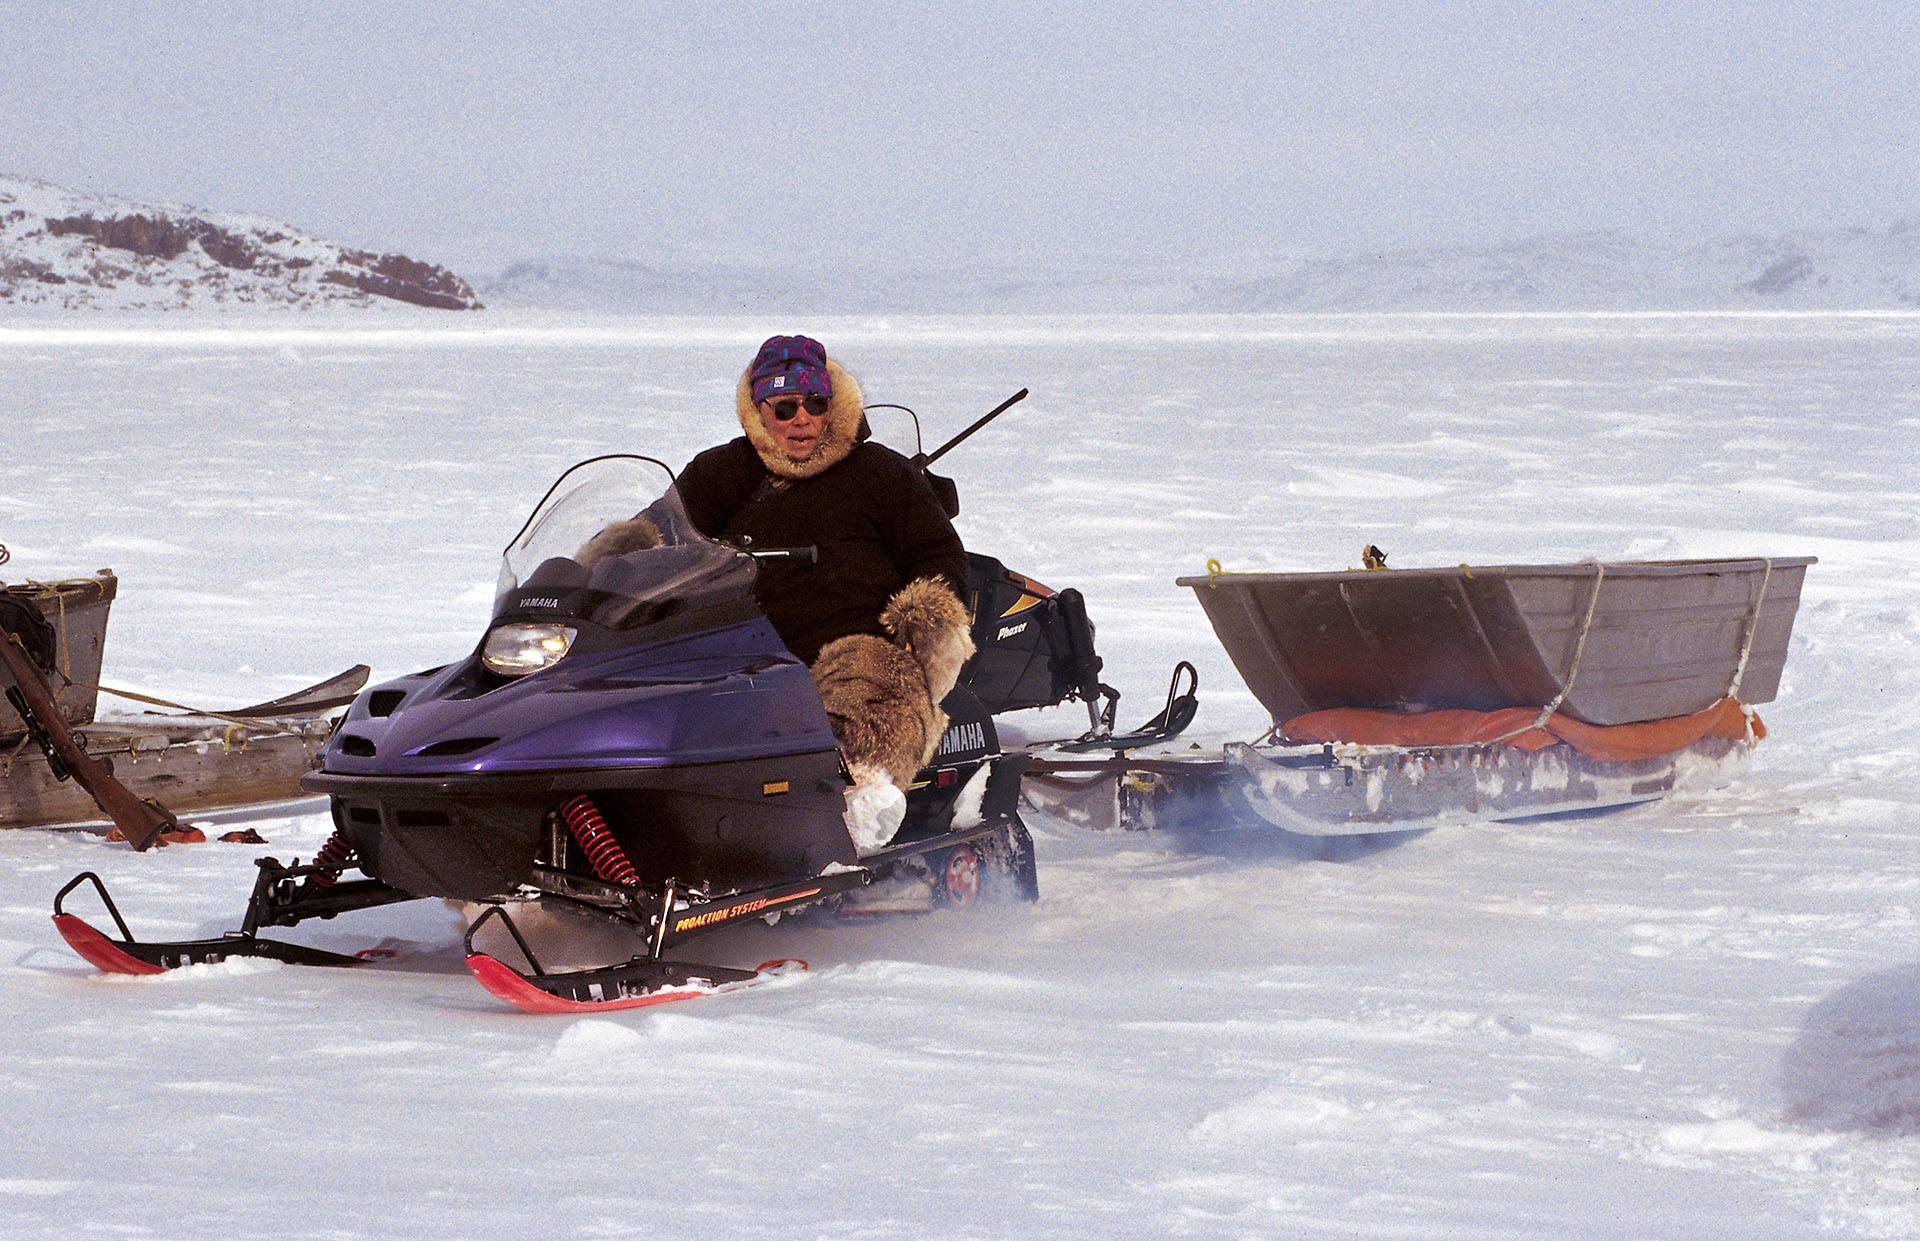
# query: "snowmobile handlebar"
809,554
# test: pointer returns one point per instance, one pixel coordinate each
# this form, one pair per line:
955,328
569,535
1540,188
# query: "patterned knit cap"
790,366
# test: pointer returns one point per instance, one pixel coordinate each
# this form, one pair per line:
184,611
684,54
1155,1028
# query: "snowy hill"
1856,269
63,249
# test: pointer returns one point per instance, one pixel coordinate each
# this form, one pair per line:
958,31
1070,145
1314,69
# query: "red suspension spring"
331,860
603,851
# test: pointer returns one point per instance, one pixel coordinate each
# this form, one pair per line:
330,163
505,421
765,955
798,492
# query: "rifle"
943,488
927,459
141,822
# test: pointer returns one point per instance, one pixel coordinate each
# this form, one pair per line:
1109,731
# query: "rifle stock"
141,822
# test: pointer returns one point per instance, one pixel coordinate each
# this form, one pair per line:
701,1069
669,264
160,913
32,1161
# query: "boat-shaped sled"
188,761
1606,643
1407,699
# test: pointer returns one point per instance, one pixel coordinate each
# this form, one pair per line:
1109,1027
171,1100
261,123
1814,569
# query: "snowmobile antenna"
927,459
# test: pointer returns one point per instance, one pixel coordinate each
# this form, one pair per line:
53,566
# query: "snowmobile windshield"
611,543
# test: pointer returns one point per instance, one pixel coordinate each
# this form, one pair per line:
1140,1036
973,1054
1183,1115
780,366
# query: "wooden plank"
182,764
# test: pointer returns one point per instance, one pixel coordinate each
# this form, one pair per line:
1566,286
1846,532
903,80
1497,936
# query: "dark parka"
870,513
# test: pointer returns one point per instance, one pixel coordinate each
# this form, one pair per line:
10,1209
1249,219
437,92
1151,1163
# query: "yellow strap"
233,722
238,730
58,589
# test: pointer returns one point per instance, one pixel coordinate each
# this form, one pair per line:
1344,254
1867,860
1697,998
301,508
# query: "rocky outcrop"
405,280
64,249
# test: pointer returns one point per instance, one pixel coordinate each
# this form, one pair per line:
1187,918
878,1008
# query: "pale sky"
926,133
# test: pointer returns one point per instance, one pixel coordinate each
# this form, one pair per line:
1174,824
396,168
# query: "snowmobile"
630,740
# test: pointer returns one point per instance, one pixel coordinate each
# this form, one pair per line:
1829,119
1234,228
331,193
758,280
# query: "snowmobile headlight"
526,646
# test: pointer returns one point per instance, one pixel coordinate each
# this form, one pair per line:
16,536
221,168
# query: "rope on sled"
59,590
1579,646
235,737
1753,624
1573,667
6,765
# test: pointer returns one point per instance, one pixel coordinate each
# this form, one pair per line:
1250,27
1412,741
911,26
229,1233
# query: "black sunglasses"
788,408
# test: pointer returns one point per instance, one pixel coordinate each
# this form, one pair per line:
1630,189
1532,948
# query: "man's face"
794,423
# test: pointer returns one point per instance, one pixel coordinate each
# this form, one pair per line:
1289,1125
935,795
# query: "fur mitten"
928,619
883,697
875,809
876,699
636,534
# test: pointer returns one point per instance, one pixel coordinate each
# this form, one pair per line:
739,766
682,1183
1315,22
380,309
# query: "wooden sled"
186,761
1471,695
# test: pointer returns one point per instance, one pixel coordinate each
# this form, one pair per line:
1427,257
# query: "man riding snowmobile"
632,740
877,615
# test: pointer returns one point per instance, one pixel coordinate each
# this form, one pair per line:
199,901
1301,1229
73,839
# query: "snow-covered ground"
1692,1020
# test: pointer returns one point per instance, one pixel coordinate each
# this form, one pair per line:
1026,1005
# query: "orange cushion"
1514,726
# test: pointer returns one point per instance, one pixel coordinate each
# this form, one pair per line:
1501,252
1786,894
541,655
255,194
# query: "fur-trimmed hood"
839,430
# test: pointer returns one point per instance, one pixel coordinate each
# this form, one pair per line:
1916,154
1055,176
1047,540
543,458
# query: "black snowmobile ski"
1171,721
640,983
282,896
1168,723
954,864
